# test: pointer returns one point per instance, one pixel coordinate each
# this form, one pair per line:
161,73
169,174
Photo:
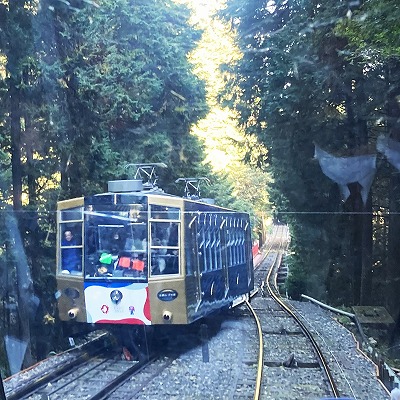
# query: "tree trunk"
363,243
15,116
393,251
367,246
14,56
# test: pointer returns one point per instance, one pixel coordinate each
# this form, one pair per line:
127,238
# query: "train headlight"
73,312
116,296
167,316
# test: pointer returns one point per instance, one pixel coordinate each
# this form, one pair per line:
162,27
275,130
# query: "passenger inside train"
112,233
71,255
106,266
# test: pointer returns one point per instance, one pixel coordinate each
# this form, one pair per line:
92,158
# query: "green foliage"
95,85
240,179
373,29
135,82
296,284
295,87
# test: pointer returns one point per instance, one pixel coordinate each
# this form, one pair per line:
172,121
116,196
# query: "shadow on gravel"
143,342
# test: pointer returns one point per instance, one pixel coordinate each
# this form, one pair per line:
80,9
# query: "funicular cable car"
136,255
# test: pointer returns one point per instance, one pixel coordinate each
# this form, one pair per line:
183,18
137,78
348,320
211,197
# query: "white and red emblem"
104,309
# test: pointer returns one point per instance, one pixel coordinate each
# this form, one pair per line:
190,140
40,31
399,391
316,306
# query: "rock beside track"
189,377
355,373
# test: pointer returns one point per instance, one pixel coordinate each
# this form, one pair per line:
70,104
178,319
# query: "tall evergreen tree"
134,83
372,31
87,86
296,89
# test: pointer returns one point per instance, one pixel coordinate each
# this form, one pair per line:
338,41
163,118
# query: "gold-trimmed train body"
139,256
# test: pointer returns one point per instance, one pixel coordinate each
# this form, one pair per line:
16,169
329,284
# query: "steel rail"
91,349
275,295
260,352
260,364
106,391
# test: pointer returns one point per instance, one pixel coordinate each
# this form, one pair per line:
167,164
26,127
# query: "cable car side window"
213,244
229,241
201,243
164,240
242,243
223,242
191,243
208,258
70,240
217,232
235,242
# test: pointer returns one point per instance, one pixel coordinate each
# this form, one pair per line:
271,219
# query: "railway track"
92,372
96,371
290,361
280,364
287,351
43,373
298,356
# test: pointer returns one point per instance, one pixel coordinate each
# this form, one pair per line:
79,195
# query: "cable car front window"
116,247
